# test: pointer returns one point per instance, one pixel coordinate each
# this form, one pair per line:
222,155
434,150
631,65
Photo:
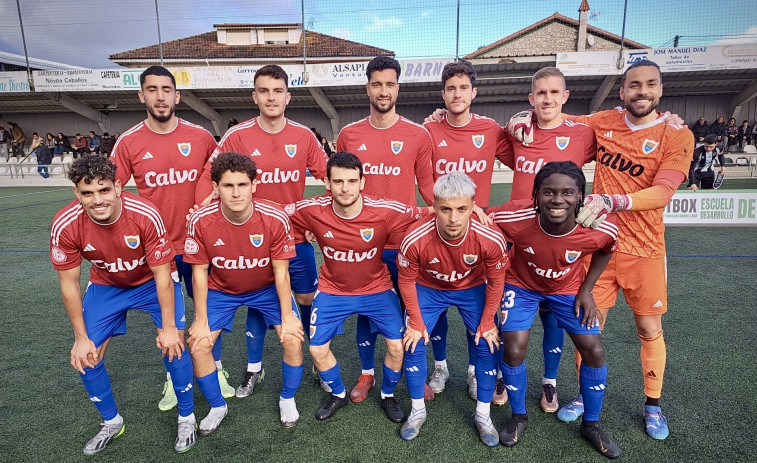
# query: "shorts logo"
191,246
132,241
470,259
57,254
572,256
478,140
289,209
185,148
649,145
562,142
366,234
312,331
397,146
503,317
256,240
291,150
402,260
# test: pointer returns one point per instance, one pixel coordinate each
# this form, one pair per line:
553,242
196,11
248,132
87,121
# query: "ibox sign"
736,208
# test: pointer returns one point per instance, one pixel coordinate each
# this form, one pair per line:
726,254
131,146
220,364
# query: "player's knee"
319,353
200,350
648,335
513,354
291,345
592,351
394,349
304,299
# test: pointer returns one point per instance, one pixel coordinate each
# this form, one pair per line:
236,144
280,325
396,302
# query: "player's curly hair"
568,168
381,63
234,162
454,185
344,160
461,67
274,71
90,168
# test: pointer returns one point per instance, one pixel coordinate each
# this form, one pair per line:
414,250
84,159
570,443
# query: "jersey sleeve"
282,244
158,247
398,222
505,151
317,158
341,141
590,145
194,244
496,262
423,172
408,267
120,157
65,254
679,150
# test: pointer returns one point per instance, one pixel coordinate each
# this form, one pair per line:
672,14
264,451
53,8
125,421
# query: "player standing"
126,241
548,247
248,243
641,161
282,151
352,230
452,259
166,155
395,153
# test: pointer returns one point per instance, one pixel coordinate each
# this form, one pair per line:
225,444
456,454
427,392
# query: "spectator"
5,141
326,146
745,134
62,144
81,147
37,144
93,143
731,133
45,156
116,135
700,130
106,144
232,122
18,140
701,171
50,142
718,128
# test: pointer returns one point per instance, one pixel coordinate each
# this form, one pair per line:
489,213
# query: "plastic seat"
750,149
742,161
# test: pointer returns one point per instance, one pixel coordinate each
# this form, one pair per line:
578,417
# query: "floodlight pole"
23,39
160,41
622,36
457,33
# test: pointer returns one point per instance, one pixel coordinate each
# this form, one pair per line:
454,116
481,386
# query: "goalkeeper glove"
521,126
596,208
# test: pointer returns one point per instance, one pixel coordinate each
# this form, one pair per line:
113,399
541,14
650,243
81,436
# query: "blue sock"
593,383
218,347
416,370
305,317
211,389
366,342
471,348
390,380
486,372
292,378
515,385
439,338
333,378
183,379
97,384
551,344
255,334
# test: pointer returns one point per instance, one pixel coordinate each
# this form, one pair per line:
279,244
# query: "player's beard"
161,117
383,110
639,114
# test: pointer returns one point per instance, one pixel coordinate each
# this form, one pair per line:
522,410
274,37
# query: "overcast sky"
86,32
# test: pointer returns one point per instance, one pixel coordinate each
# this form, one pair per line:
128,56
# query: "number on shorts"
508,300
313,315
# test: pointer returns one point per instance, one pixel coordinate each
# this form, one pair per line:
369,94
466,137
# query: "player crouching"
548,271
248,242
125,239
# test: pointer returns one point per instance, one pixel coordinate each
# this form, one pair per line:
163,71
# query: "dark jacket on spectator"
718,128
106,144
700,130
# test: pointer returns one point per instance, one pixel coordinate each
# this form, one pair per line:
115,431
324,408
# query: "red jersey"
281,159
352,248
393,159
166,167
570,141
426,258
469,148
239,255
628,159
121,252
545,263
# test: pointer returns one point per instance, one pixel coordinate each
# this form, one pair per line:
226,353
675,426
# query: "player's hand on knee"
291,325
521,126
591,314
411,338
84,355
169,343
491,337
436,116
198,332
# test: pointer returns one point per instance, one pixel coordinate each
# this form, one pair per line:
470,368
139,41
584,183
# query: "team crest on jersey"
572,256
366,234
191,246
132,241
470,259
402,260
291,150
58,255
478,140
649,145
562,142
256,240
185,148
397,146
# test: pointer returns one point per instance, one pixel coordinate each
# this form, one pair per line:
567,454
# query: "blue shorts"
185,274
223,306
330,311
389,256
105,308
303,273
434,302
520,305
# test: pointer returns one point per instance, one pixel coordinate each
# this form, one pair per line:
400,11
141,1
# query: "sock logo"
247,333
413,369
600,387
510,387
365,344
186,389
556,350
436,338
650,374
95,399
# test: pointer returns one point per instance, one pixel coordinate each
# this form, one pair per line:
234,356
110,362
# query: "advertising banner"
711,207
14,82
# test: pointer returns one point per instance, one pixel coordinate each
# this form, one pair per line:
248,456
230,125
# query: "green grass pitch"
709,393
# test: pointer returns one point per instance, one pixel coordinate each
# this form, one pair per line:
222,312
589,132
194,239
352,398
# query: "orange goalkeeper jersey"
628,158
